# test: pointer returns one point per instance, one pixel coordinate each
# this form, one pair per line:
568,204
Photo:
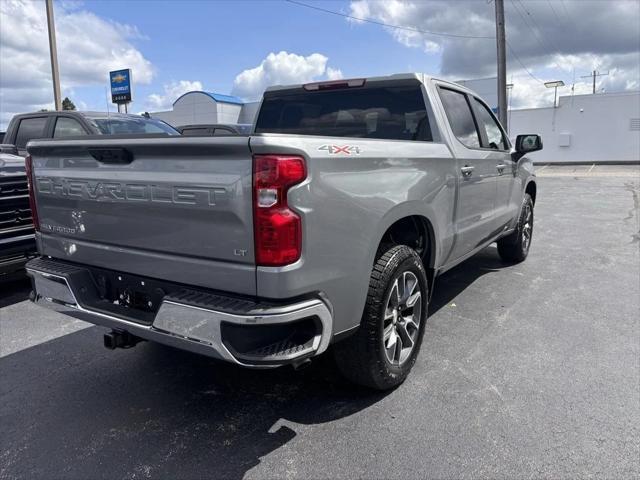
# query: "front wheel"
382,352
515,247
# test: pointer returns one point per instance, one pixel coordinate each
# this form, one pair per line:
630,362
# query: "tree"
68,104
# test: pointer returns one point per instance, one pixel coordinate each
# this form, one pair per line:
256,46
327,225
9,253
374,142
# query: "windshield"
116,125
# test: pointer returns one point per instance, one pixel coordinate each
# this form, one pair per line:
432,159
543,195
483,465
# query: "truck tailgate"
176,208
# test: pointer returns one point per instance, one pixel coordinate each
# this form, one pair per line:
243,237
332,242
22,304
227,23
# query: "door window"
29,129
67,127
460,117
486,121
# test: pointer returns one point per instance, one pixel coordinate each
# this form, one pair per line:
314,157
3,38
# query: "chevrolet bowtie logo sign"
119,78
120,86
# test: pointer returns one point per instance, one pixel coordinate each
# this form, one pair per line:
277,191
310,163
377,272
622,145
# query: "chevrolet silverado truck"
17,242
327,226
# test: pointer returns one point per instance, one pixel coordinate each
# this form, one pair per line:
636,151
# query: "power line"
532,27
375,22
554,12
566,10
522,64
399,27
595,75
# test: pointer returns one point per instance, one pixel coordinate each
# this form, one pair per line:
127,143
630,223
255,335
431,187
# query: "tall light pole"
502,63
54,55
554,85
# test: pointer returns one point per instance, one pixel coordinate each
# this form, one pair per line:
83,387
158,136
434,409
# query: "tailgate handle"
111,155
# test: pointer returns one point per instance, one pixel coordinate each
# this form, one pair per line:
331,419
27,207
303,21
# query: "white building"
584,128
206,107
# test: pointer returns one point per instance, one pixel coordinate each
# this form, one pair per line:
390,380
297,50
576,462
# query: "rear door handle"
501,167
467,171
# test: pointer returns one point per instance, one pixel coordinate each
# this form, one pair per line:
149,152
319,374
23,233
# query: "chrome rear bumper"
196,326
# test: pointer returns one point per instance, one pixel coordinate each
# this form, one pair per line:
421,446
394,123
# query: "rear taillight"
28,164
277,228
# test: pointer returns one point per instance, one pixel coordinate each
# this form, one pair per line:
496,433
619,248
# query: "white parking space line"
24,325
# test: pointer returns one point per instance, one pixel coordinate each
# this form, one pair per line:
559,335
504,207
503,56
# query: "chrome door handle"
467,170
501,167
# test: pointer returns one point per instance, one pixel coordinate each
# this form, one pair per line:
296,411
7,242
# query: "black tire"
514,248
364,358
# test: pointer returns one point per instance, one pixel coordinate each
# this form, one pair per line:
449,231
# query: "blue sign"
120,86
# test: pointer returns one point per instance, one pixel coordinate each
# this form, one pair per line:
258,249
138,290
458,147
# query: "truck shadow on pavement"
14,289
71,409
450,284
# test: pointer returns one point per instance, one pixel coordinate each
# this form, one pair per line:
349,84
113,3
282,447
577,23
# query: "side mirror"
528,143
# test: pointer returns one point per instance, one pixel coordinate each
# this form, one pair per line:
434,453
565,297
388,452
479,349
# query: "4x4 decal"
341,149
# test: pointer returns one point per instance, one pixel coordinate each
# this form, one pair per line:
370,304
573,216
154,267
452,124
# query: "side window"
195,132
490,125
67,127
29,129
222,132
460,117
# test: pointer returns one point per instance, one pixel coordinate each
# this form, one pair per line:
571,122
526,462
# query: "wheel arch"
532,189
413,229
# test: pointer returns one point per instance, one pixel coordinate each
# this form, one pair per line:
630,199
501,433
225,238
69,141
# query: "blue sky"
242,46
213,41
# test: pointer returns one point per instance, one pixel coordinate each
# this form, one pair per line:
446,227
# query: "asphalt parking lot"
526,371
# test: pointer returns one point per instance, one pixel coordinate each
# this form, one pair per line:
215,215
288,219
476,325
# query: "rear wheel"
382,352
515,247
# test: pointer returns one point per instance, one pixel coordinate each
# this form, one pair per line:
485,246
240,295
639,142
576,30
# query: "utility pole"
54,55
594,75
502,63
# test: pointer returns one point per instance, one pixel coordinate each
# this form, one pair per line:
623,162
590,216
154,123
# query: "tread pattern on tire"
360,357
510,247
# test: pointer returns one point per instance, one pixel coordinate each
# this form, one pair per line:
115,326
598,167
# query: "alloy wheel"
402,315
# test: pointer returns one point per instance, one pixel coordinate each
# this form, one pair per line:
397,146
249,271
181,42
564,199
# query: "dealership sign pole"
120,81
53,51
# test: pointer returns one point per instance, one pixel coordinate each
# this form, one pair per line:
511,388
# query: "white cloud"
552,39
334,73
282,68
158,102
88,48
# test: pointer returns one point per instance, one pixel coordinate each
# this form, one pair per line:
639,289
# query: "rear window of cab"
390,113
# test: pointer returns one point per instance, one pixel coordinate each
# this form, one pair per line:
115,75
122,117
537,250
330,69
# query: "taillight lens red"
277,228
28,164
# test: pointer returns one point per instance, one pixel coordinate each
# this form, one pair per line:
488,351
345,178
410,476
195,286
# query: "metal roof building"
204,107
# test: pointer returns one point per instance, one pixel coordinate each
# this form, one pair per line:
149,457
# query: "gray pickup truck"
327,226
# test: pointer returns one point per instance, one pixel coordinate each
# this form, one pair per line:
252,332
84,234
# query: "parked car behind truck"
215,129
70,123
329,224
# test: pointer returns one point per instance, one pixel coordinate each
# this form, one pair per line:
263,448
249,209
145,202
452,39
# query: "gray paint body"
182,210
